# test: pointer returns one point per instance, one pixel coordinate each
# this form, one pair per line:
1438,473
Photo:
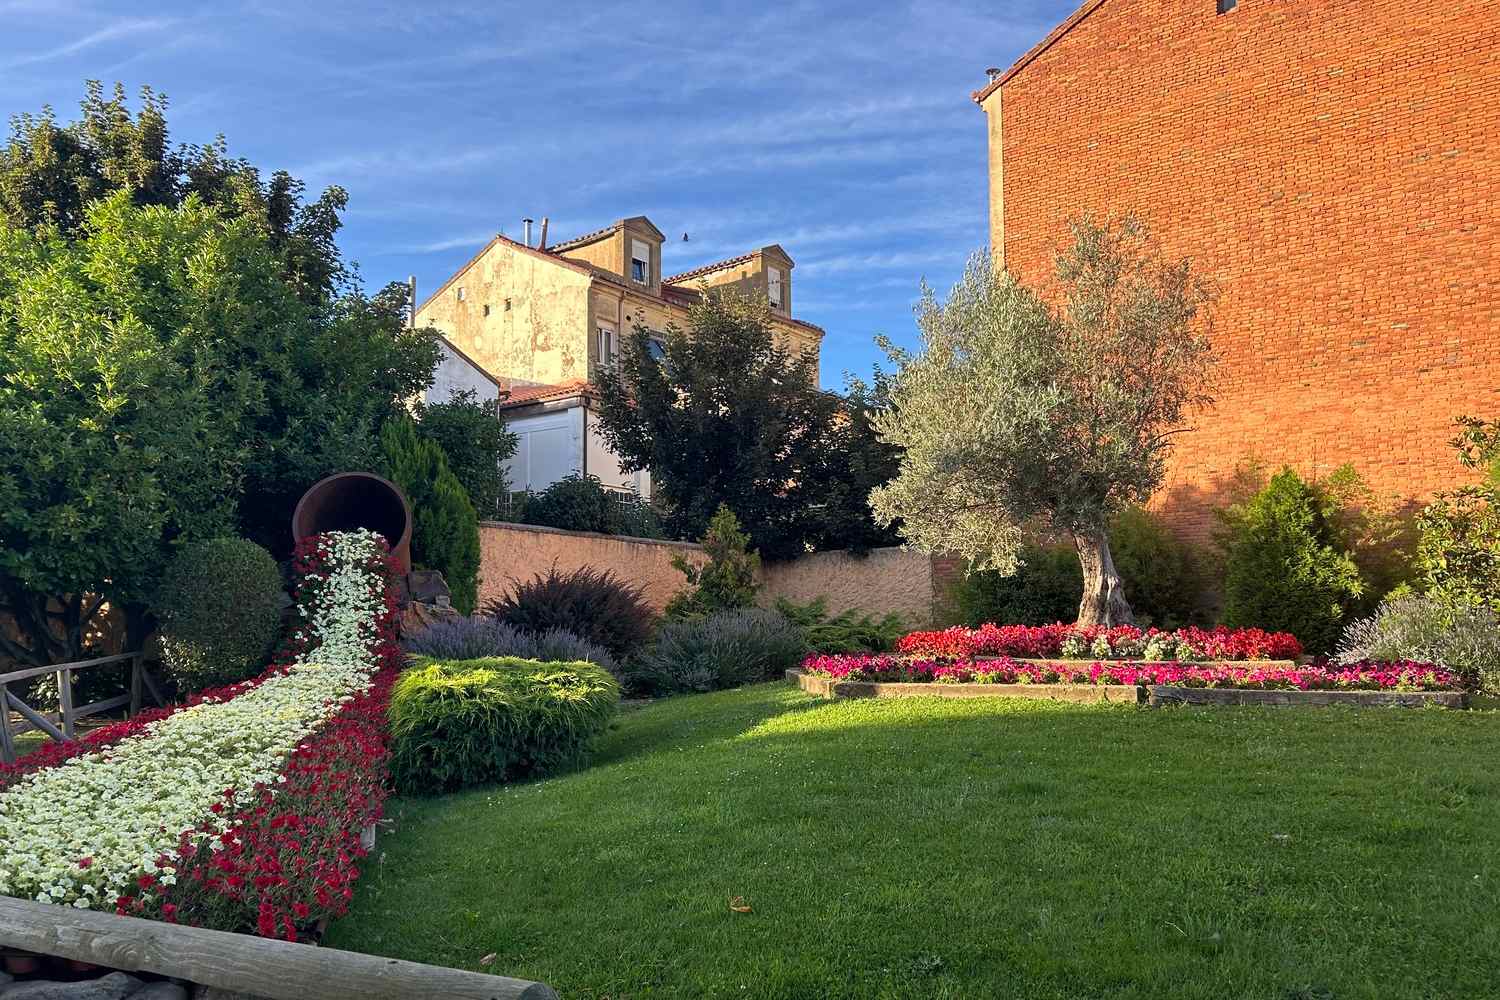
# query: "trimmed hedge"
457,723
219,612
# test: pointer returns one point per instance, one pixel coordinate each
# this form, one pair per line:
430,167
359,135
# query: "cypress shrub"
476,442
219,612
445,528
1283,567
596,606
458,723
727,580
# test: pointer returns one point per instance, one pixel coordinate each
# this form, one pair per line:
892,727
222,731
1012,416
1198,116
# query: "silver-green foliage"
456,723
1462,638
721,650
1020,408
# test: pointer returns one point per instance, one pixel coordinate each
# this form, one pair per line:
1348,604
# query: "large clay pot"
349,500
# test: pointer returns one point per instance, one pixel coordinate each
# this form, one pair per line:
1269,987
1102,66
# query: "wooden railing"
60,725
241,963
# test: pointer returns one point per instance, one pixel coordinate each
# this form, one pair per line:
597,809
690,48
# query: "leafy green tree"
727,580
49,172
722,416
1023,414
476,443
122,401
1459,550
1284,567
445,529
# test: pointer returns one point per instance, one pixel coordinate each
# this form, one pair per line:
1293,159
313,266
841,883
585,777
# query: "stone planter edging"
1062,664
1153,695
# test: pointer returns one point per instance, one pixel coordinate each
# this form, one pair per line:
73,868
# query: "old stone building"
542,319
1334,166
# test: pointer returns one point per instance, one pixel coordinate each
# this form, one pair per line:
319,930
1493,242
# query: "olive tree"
1026,412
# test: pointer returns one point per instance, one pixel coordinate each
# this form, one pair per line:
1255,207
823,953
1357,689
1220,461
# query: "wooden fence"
241,963
60,725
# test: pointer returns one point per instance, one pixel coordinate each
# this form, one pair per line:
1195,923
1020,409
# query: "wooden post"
137,665
7,741
279,970
65,701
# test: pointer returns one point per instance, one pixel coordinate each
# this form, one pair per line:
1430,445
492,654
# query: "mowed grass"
987,848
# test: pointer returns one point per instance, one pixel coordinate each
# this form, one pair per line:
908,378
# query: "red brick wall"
1335,166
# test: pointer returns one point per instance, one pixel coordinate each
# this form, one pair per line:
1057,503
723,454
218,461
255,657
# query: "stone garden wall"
909,583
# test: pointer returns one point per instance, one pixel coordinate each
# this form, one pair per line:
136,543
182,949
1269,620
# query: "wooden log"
37,720
278,970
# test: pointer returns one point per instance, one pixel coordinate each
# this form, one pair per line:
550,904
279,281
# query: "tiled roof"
585,238
544,393
1088,7
709,268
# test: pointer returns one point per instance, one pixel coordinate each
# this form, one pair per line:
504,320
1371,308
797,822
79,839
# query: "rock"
160,991
215,993
427,586
416,616
115,986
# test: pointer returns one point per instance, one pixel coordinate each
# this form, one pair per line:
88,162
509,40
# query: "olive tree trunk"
1103,591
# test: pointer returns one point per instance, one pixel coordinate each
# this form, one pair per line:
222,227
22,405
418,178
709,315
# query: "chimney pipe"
541,243
993,73
411,307
526,228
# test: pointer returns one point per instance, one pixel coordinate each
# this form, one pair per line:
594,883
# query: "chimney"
526,227
541,244
411,306
993,73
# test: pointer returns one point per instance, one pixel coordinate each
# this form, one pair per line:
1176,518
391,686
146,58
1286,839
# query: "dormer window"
640,262
773,286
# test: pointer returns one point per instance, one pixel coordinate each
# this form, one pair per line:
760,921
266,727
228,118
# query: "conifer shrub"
594,605
727,580
457,723
851,631
445,527
725,649
1284,569
218,609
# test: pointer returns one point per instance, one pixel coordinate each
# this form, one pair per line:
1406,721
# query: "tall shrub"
722,650
727,580
476,443
445,528
1045,588
594,605
1160,571
1283,567
219,612
1459,551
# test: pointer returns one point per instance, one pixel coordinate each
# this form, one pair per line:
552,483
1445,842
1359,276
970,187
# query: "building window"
486,308
640,262
773,286
609,347
1225,6
655,349
460,293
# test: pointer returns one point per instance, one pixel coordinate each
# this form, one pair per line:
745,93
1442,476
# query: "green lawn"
988,848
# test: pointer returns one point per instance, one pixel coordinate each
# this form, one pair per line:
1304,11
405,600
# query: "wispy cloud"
123,28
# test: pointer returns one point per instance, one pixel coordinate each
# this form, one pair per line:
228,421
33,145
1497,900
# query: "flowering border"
1368,676
304,743
1076,642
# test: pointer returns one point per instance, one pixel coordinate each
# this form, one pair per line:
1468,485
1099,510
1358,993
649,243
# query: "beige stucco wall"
886,580
537,328
520,551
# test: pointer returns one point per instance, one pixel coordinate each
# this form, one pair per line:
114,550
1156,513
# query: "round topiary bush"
219,611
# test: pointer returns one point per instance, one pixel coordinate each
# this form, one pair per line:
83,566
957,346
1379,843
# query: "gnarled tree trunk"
1103,591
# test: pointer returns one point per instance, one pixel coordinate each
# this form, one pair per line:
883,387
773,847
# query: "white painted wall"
454,374
550,446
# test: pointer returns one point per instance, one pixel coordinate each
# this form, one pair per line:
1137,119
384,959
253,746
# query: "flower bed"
243,807
1123,642
1004,670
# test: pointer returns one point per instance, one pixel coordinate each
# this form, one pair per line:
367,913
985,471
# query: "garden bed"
828,687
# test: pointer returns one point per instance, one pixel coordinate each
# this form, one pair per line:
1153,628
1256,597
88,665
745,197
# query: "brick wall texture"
1334,165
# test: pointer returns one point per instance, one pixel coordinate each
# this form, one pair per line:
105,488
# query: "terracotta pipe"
348,500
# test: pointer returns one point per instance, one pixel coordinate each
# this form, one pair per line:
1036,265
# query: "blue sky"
844,132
